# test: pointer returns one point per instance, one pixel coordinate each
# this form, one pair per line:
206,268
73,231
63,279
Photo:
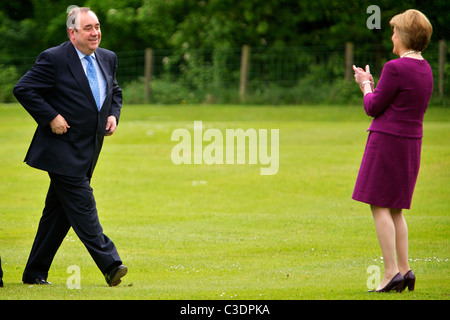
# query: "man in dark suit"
73,95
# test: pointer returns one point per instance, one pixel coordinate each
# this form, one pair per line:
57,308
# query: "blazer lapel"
108,79
78,73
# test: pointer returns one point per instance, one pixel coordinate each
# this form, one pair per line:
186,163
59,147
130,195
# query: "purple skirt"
388,171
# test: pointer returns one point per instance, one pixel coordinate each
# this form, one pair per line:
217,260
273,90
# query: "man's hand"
111,125
59,125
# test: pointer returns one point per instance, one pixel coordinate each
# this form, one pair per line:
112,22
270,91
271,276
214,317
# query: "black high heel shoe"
410,280
396,284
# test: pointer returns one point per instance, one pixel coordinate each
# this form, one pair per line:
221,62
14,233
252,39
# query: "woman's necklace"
412,51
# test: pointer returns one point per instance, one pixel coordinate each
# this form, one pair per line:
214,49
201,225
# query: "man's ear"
71,33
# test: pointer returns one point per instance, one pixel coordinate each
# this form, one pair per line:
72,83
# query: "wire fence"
274,75
283,66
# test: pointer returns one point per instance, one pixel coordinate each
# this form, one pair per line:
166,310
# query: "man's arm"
116,104
40,78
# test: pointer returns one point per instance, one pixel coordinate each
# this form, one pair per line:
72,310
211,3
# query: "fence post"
442,56
245,67
348,61
148,73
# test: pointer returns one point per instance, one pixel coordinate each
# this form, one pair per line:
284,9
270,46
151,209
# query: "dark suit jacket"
57,84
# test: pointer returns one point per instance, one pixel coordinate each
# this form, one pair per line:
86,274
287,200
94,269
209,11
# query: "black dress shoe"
36,281
113,277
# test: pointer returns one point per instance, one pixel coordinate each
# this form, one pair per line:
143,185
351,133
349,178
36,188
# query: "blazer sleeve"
375,103
39,78
116,103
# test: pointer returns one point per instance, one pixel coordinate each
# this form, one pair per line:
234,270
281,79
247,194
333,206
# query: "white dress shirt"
100,77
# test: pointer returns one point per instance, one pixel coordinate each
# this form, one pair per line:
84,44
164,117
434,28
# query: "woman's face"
397,42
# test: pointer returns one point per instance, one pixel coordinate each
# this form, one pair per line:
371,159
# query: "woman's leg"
385,229
401,240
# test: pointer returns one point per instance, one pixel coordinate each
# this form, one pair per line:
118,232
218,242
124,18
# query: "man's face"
87,36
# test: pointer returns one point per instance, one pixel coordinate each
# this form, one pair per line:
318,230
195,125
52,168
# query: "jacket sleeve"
116,103
29,89
375,103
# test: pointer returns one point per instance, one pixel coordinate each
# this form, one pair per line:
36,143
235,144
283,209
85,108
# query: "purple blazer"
400,99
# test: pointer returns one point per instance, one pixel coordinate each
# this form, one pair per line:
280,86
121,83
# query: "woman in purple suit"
391,159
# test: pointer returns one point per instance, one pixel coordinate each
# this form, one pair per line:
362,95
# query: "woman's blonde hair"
414,29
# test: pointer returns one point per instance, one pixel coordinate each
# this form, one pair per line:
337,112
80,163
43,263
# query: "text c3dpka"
229,309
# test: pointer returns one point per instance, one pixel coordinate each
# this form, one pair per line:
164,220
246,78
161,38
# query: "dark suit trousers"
70,203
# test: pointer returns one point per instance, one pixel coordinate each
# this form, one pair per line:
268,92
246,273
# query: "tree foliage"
29,26
200,37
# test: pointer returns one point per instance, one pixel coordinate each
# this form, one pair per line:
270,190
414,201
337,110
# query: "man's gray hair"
73,21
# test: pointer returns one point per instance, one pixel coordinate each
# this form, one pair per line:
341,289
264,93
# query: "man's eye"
89,29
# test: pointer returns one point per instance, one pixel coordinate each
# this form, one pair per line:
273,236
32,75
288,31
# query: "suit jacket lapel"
78,73
106,75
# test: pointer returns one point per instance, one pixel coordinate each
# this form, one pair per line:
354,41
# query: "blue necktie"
93,81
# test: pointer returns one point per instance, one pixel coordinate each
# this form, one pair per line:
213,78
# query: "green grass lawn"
224,232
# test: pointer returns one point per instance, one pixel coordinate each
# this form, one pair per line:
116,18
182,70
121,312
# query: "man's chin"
93,47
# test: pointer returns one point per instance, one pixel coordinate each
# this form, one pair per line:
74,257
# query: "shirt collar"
82,55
